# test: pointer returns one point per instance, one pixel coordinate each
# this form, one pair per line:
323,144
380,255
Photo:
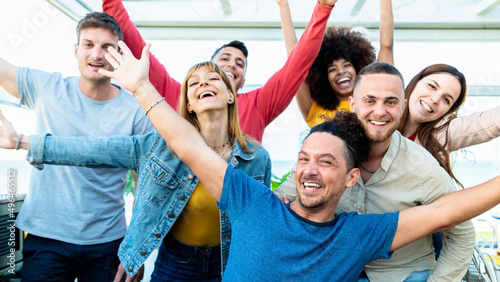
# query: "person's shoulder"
415,152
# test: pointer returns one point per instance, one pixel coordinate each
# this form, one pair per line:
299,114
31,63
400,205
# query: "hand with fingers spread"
329,3
8,135
130,72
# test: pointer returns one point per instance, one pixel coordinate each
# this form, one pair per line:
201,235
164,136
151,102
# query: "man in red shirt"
257,108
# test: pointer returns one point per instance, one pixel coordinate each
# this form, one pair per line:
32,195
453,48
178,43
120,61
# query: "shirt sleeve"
117,151
30,84
457,252
275,96
158,75
471,130
239,191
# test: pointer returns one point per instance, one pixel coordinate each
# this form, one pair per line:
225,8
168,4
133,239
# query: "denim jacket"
165,184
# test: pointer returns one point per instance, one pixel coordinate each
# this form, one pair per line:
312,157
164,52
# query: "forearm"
287,26
158,75
119,151
183,138
386,27
471,130
8,77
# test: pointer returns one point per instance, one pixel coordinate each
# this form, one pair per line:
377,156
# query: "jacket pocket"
160,181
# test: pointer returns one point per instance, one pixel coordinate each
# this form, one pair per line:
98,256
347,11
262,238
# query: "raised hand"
129,72
8,135
329,3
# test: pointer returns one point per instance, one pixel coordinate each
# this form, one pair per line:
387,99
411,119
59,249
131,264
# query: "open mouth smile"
426,107
206,95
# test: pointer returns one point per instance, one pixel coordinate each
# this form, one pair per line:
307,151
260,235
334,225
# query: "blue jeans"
417,276
52,260
437,242
180,262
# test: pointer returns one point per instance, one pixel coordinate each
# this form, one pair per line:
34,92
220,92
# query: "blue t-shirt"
270,242
75,204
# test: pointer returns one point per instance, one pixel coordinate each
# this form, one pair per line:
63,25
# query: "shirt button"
190,176
130,269
171,215
143,252
158,235
182,196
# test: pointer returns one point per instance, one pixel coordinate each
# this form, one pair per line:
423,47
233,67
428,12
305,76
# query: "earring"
230,101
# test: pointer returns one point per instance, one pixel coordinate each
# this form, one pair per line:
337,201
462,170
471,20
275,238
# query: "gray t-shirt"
76,205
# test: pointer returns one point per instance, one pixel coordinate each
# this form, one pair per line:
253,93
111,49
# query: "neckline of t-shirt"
310,222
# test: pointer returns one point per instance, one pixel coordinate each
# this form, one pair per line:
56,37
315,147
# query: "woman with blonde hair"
172,207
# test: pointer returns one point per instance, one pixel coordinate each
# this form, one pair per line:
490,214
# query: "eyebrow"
386,98
436,83
231,55
329,155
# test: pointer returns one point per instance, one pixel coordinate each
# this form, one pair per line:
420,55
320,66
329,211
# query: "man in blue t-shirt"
75,216
305,239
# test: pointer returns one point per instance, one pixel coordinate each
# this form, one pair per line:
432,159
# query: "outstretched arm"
386,27
275,96
8,77
446,212
303,94
465,131
162,81
180,135
287,26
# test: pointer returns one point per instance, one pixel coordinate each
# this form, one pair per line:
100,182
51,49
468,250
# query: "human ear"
352,177
76,50
351,103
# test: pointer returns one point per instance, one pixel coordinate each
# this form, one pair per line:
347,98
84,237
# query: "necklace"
222,149
372,172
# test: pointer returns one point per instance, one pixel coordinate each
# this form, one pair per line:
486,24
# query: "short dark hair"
346,126
235,44
379,68
99,19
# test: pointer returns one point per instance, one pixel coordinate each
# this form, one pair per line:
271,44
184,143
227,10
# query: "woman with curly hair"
344,52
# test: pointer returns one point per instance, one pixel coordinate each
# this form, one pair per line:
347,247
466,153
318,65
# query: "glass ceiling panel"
477,14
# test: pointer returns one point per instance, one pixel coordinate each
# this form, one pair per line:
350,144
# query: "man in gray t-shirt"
74,215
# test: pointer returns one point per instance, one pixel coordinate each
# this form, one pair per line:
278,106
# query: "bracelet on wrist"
18,142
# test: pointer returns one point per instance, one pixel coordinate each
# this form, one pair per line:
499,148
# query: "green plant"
277,181
129,187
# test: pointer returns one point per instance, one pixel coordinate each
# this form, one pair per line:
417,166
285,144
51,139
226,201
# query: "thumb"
145,52
2,118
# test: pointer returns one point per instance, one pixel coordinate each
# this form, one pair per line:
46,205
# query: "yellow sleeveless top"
319,115
199,223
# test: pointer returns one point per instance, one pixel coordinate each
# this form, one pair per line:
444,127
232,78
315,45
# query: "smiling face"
321,174
341,75
234,63
90,53
432,97
207,91
378,102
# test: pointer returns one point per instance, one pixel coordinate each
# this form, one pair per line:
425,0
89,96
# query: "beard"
379,136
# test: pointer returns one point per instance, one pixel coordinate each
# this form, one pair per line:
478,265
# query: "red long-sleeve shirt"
257,108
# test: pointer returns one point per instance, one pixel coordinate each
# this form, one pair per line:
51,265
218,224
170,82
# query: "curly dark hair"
340,43
347,127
